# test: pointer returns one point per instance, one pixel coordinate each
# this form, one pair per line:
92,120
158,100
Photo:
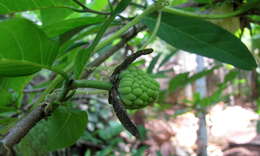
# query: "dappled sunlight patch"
232,123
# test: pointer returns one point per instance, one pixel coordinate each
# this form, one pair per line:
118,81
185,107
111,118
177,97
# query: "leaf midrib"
22,62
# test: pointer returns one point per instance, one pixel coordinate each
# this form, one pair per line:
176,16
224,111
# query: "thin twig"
34,90
86,9
80,4
92,145
22,128
90,11
246,145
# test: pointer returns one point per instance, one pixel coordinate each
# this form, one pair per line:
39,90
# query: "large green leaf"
24,48
63,26
62,129
60,13
203,38
11,6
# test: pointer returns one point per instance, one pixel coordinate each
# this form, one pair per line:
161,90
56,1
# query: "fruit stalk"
104,85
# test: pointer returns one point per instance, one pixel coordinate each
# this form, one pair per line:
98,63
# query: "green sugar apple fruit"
137,89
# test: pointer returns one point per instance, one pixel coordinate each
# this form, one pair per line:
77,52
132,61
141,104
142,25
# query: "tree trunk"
201,88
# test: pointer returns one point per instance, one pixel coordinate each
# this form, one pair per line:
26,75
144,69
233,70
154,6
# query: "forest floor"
231,132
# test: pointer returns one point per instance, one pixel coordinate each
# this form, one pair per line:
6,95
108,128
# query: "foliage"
202,37
60,130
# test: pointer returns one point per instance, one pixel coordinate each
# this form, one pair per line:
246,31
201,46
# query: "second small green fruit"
137,89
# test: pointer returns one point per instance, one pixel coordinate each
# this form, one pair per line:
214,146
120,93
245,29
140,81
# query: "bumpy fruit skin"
137,89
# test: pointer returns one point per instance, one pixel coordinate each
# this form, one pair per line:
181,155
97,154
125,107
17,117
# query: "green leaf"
158,153
110,132
11,89
178,81
256,38
178,2
105,151
141,150
62,129
153,63
98,4
168,57
231,76
142,131
258,106
181,112
65,126
88,136
161,74
7,109
4,128
202,74
83,56
217,94
139,62
60,13
258,126
7,120
47,17
87,152
214,98
203,38
11,6
121,6
81,59
89,30
63,26
24,48
183,79
204,1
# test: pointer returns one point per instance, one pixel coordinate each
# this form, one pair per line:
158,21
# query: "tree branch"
29,121
23,127
34,90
